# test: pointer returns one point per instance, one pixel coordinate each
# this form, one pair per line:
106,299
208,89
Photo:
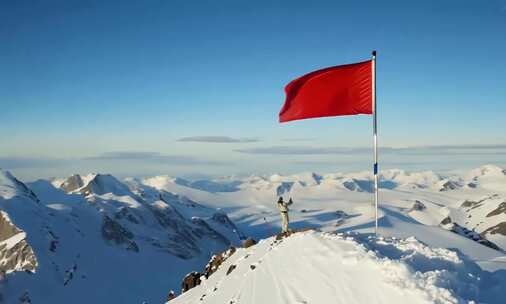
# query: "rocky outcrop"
449,185
418,206
126,213
471,234
105,183
248,242
203,229
476,204
223,219
497,229
446,221
171,295
194,278
190,280
72,183
112,231
216,261
15,252
501,209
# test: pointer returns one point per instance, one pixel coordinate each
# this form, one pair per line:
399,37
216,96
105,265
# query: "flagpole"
375,140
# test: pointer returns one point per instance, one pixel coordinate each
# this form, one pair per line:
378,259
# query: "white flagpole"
375,139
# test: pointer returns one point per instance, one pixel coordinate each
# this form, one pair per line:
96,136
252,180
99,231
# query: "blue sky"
193,88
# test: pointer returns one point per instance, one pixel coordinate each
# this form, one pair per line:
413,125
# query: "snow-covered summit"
486,170
315,267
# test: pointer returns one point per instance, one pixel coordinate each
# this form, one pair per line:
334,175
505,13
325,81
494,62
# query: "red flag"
335,91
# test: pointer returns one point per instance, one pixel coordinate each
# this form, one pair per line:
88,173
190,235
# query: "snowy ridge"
489,177
315,267
101,234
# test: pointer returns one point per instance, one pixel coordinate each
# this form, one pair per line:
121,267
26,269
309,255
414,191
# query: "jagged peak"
10,186
105,183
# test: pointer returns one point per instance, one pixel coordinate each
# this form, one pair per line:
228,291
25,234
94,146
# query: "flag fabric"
335,91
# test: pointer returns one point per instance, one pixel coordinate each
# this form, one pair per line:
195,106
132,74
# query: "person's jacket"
283,207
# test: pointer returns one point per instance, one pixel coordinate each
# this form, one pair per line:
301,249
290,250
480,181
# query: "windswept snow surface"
315,267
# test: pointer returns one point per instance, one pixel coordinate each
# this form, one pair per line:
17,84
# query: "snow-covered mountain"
95,239
132,240
440,195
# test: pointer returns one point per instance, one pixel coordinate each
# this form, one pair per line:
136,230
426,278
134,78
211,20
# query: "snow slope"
104,242
315,267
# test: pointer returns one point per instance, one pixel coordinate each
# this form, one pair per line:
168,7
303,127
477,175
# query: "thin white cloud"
217,139
421,150
146,156
137,157
32,162
299,139
300,150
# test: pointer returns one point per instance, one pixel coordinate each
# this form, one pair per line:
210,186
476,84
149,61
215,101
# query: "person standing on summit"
283,209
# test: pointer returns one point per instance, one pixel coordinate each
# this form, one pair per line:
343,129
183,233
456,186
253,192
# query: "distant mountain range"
96,239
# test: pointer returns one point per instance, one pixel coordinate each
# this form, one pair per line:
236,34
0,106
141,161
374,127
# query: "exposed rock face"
7,228
418,206
449,185
203,229
477,204
470,204
223,219
72,183
217,260
113,231
472,185
193,278
480,238
105,183
125,213
190,280
231,268
501,209
447,220
497,229
171,295
248,242
181,240
486,216
15,252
